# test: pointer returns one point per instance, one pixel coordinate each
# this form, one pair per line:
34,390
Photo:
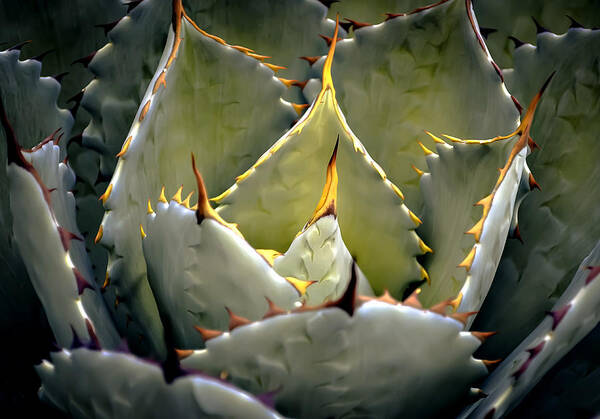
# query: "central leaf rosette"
261,272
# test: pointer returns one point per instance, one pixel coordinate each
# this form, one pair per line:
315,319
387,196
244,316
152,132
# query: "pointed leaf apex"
327,203
326,76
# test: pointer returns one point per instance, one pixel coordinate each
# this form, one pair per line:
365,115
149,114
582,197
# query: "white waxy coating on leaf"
458,176
493,237
217,102
271,200
423,71
319,254
560,223
112,385
59,179
37,236
196,271
552,339
283,30
384,361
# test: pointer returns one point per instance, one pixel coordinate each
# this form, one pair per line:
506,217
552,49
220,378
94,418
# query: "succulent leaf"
409,74
318,254
292,31
316,354
517,22
573,316
84,383
44,228
199,268
270,201
205,97
560,222
54,31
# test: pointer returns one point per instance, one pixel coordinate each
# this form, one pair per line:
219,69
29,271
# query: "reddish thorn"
558,315
594,271
66,237
82,284
517,104
273,310
19,46
532,144
85,60
490,414
393,15
94,341
60,76
235,320
574,23
498,71
533,184
311,60
208,334
536,349
300,84
329,39
108,26
357,25
76,343
491,365
516,41
41,56
483,336
132,5
486,31
517,234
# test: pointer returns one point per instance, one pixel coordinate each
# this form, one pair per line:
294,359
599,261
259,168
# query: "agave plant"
322,268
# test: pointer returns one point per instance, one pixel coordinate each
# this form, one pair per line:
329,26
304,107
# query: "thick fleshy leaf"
122,72
561,222
282,30
514,18
472,163
60,32
112,385
373,11
32,108
199,268
206,97
385,360
573,316
424,71
318,255
569,386
270,201
45,231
